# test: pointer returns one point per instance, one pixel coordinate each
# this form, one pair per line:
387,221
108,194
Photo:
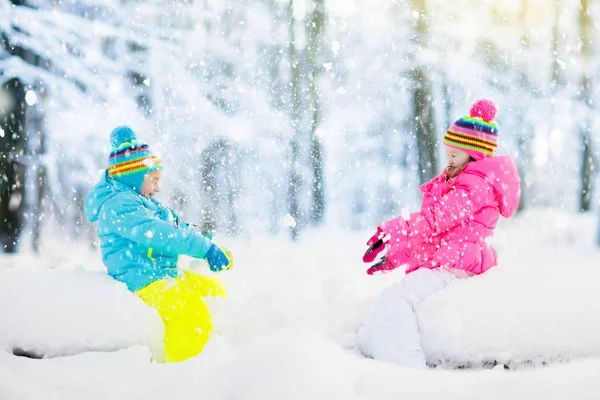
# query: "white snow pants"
393,333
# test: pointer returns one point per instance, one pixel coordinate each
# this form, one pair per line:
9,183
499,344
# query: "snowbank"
289,325
61,312
298,363
289,363
540,305
515,316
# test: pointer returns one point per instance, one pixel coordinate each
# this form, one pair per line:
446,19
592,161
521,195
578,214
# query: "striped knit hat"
477,133
130,159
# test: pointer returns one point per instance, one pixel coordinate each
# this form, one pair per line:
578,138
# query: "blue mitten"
216,258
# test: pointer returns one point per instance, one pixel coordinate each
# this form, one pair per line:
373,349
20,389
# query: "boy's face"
457,158
151,184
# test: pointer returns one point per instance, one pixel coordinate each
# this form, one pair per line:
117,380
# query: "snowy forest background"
282,115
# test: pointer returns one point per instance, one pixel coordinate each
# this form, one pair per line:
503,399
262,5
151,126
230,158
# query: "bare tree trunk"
220,162
425,126
524,139
294,180
557,81
598,233
557,74
34,148
43,184
316,27
12,125
448,103
587,169
208,172
422,101
523,144
278,91
276,55
587,165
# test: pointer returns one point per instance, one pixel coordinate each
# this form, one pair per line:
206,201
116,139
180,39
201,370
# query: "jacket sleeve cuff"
396,229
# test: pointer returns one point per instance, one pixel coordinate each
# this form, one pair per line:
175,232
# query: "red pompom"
486,109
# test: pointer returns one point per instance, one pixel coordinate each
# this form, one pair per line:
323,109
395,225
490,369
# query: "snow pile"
53,312
289,325
84,376
296,363
290,363
512,317
540,305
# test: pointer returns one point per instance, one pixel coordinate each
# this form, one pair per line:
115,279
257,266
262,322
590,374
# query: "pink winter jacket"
456,218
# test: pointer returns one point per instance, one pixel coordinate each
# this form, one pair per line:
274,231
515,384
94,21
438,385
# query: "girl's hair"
451,173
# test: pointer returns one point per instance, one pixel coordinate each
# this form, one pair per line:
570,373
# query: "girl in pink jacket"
447,238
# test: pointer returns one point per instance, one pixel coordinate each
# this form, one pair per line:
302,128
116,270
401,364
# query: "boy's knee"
186,335
184,342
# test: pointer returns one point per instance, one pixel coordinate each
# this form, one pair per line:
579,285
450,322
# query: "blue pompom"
121,134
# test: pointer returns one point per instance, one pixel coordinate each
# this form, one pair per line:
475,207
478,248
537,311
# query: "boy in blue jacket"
141,239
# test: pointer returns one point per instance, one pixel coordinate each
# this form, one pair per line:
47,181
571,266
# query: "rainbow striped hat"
477,133
130,159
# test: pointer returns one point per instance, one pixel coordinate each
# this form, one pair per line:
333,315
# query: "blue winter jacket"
140,238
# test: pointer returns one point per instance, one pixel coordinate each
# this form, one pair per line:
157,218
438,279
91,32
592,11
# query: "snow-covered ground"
288,327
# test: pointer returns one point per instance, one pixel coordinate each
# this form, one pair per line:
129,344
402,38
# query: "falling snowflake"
30,97
335,47
289,221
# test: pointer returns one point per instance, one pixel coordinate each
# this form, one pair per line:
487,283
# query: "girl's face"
150,186
457,158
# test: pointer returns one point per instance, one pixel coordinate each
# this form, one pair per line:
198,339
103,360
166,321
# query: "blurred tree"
294,179
35,169
315,25
524,84
12,171
585,97
422,98
598,232
24,140
43,44
220,170
558,77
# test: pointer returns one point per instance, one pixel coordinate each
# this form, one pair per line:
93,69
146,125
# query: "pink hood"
501,173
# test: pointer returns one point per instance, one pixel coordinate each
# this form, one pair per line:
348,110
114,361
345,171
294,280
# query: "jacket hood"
106,189
501,173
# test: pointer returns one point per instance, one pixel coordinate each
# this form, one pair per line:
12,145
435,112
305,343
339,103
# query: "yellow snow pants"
179,302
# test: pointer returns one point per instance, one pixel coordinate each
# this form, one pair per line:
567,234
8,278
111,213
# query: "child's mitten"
377,244
216,258
377,236
384,266
373,250
229,256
